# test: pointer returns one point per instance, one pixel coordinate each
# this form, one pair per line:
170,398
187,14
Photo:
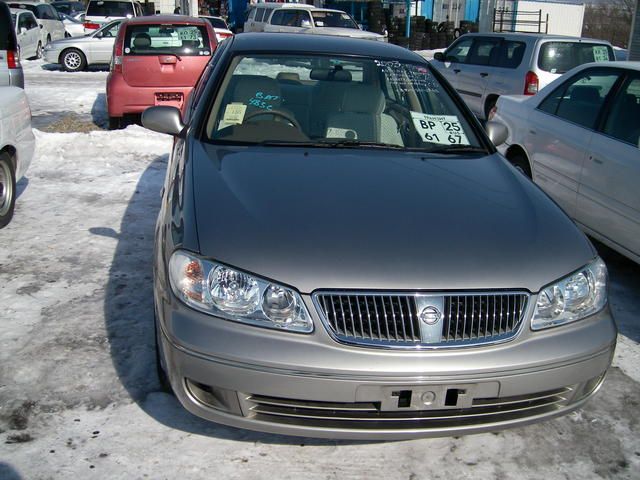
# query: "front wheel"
7,189
73,60
39,51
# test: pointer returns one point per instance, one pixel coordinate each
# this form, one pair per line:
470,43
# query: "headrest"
190,43
142,40
288,77
260,88
585,93
363,99
330,74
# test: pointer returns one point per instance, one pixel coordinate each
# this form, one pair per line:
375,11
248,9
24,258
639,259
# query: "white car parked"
17,144
27,33
579,139
47,16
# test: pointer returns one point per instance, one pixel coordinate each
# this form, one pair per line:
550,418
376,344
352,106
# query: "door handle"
456,70
596,160
532,132
483,74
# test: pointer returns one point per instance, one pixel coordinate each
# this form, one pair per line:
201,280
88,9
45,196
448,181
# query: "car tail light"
13,59
531,83
91,25
116,61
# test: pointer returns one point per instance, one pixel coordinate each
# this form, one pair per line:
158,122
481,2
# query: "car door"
560,129
608,194
28,33
454,57
476,72
101,46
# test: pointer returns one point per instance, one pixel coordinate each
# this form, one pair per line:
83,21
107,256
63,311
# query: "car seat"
141,42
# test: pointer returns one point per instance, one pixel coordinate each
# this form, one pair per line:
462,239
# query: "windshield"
333,19
217,22
110,9
560,57
24,6
336,101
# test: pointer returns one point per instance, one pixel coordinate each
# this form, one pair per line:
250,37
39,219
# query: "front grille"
367,415
394,320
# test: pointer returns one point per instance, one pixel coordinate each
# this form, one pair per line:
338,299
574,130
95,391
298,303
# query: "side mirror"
163,119
23,30
497,132
41,27
439,56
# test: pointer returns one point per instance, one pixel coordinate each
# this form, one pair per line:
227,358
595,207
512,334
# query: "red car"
156,60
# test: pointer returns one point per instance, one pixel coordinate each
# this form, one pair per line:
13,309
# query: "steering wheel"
278,113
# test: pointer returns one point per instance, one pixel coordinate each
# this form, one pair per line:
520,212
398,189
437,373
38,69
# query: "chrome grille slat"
392,320
369,413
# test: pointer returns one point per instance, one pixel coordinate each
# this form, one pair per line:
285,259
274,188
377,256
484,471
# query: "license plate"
169,99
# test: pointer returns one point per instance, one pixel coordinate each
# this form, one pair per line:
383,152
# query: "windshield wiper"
457,149
359,143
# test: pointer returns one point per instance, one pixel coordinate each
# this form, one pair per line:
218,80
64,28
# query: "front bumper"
308,385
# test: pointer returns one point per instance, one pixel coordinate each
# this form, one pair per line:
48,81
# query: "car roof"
155,19
534,36
307,43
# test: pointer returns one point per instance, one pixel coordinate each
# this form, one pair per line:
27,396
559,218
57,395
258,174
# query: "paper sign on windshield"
600,54
441,129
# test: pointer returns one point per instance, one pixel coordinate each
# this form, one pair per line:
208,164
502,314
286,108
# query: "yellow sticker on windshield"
440,129
234,113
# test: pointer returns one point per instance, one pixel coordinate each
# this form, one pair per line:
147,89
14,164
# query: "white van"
47,17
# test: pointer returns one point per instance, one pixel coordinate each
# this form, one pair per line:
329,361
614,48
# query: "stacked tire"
375,17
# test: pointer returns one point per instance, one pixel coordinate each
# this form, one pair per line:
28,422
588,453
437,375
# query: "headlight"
234,295
573,298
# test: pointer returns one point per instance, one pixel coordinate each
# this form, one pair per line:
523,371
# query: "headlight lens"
234,295
572,298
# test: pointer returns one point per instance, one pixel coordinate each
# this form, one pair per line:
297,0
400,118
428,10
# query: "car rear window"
167,39
333,19
110,9
560,57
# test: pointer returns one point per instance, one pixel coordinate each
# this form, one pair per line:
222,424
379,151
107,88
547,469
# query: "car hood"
346,32
65,42
379,220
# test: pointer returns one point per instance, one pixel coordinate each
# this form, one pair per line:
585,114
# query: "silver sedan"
77,53
578,139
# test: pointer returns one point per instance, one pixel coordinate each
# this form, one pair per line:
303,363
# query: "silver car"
483,66
77,53
341,252
579,140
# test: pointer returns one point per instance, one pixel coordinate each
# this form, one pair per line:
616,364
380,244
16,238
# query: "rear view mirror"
439,56
497,132
163,119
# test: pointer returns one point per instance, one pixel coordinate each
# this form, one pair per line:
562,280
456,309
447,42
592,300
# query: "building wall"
564,18
634,40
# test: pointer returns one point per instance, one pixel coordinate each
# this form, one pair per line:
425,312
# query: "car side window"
622,122
484,51
580,99
261,14
511,54
31,21
459,51
112,31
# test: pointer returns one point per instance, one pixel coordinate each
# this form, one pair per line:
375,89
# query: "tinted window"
276,18
484,51
622,122
459,51
260,14
560,57
580,99
166,39
110,9
511,54
290,18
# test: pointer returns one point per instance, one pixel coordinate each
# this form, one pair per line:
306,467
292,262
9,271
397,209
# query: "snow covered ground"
79,396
